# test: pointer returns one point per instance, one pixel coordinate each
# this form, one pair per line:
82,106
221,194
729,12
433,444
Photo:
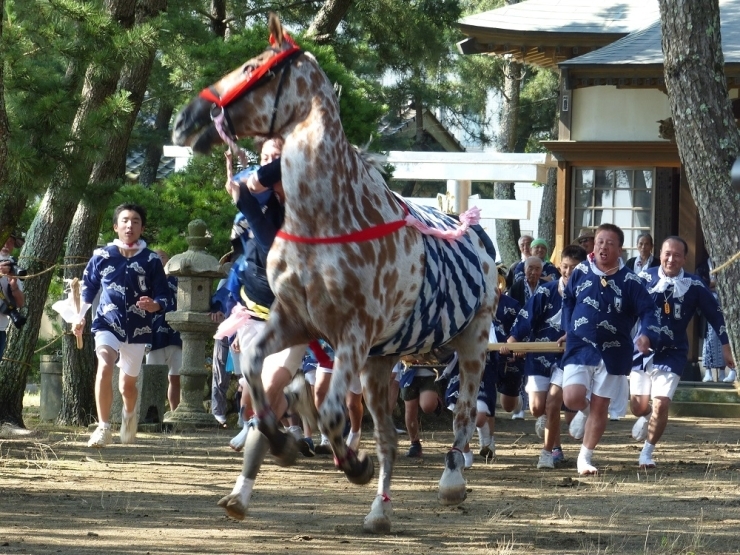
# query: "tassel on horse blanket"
468,218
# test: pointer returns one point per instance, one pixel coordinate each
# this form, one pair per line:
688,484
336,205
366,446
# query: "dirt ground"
159,497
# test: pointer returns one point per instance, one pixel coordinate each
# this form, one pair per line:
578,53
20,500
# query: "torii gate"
460,169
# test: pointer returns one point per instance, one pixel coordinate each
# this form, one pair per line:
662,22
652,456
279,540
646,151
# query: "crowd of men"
619,322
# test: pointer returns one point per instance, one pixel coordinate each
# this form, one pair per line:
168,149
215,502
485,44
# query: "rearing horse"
347,268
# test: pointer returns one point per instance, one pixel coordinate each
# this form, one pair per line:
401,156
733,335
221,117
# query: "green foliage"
51,48
537,110
171,205
194,67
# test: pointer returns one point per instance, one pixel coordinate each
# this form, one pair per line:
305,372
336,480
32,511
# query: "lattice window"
621,196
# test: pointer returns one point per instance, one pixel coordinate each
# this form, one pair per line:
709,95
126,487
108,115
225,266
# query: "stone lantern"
195,270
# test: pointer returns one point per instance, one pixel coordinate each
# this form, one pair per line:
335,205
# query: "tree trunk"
79,366
218,18
50,226
508,231
324,25
419,122
706,135
546,221
153,151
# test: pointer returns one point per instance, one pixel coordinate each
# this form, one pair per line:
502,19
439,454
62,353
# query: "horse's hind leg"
375,380
237,501
471,347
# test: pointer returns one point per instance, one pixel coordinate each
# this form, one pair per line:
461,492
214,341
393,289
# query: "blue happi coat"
598,319
162,334
450,295
540,320
674,343
122,282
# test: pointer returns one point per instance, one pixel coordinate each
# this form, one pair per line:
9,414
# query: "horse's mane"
371,160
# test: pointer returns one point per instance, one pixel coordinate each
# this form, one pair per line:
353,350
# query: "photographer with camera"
11,289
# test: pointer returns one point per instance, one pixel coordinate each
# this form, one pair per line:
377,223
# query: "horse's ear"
276,30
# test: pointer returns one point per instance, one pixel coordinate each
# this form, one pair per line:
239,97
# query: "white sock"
484,435
324,439
296,431
104,425
648,449
586,454
353,439
243,488
127,414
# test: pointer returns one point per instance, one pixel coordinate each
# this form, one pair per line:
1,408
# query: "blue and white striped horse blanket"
450,295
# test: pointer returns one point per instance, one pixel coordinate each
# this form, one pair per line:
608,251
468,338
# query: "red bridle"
254,77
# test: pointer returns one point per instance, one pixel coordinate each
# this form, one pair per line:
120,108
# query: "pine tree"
706,134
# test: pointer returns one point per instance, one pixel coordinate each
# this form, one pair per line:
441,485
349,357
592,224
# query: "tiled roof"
134,161
567,16
436,129
643,47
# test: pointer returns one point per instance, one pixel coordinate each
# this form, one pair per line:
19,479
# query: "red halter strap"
367,234
252,78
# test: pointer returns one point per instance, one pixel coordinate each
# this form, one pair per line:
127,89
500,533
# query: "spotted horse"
350,265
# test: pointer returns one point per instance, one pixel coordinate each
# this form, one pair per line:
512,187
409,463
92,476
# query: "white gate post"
459,190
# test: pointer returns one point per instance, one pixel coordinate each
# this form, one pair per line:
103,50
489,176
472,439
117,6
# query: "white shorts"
355,386
171,355
536,384
595,379
290,358
557,377
480,406
659,381
130,355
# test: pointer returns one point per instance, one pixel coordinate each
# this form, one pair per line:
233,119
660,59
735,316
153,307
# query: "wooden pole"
74,289
529,347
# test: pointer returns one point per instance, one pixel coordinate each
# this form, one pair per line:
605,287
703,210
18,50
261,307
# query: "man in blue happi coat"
602,301
677,295
132,286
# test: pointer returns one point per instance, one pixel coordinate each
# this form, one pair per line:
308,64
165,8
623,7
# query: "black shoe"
323,449
414,450
305,446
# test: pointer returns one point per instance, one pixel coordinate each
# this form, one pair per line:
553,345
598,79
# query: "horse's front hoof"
452,488
286,451
362,470
233,506
378,520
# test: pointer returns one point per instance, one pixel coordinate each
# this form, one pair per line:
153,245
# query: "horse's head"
246,101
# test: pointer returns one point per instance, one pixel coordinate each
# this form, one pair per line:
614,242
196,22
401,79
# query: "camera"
13,270
16,317
6,302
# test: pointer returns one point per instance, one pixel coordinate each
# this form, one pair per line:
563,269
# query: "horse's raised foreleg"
375,380
358,467
471,347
